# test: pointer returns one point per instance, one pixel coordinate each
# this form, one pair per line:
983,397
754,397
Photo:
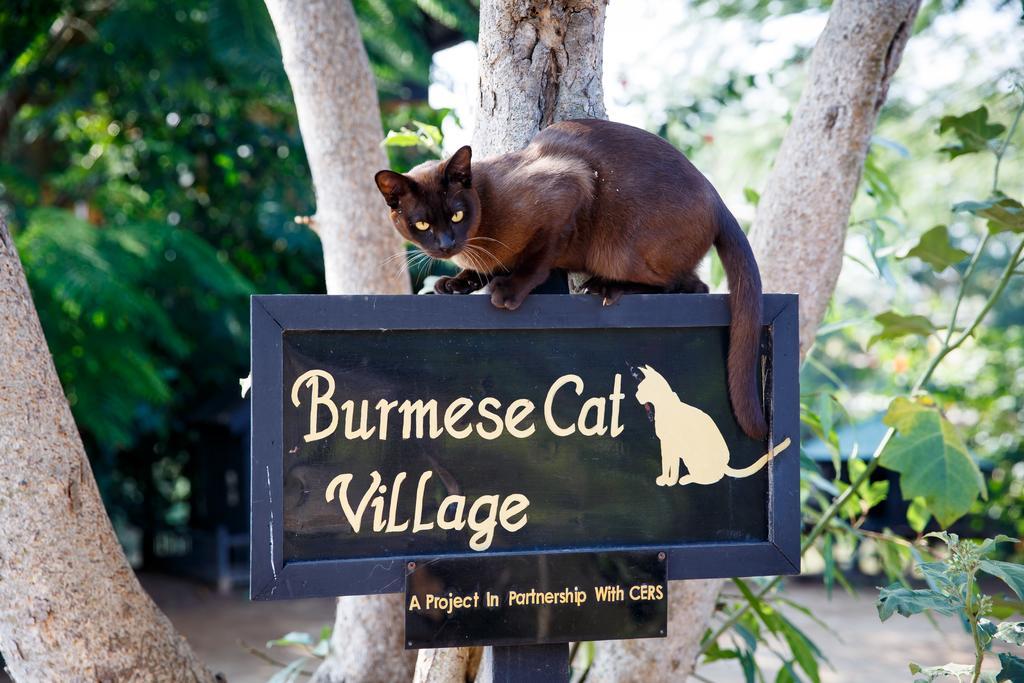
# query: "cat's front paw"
453,285
506,293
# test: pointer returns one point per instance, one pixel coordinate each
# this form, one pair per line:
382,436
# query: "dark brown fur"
592,196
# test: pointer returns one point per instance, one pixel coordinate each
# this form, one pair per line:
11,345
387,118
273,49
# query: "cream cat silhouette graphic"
689,434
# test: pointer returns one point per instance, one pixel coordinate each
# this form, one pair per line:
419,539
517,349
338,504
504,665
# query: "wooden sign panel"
396,429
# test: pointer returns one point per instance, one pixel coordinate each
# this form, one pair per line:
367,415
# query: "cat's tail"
745,328
759,463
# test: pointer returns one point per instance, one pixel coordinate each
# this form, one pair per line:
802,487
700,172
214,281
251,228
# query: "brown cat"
607,199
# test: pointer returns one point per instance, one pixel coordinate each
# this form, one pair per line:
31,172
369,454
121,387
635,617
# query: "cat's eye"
457,217
422,225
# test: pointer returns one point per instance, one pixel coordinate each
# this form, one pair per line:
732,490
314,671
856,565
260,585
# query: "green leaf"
892,557
401,138
750,668
764,611
431,131
1011,574
830,564
716,653
322,648
293,638
1013,668
962,672
897,599
989,543
918,515
940,578
935,249
1004,214
290,673
973,132
895,326
1010,632
589,651
932,460
787,674
751,195
805,652
988,630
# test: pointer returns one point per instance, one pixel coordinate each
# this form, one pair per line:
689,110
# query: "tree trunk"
691,604
339,117
800,230
798,238
71,608
540,62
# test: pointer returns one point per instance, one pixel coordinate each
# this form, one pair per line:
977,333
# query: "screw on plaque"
661,557
411,566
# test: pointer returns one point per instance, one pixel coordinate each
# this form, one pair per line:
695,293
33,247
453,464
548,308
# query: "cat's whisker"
481,260
398,254
413,261
482,237
486,252
475,258
471,253
402,267
417,260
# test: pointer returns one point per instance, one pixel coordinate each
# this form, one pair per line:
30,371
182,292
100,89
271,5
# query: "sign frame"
273,315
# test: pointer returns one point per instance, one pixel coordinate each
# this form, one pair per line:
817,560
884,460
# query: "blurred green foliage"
150,168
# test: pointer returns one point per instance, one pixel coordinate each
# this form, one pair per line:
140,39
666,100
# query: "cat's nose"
445,243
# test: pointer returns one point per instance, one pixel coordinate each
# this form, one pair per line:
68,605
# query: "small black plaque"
536,599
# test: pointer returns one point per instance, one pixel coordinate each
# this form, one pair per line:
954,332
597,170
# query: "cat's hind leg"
686,479
611,291
689,283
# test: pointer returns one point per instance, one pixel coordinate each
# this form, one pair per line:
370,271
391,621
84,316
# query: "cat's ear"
393,186
457,168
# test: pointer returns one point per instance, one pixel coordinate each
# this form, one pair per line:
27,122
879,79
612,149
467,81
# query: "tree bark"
71,608
799,232
691,604
448,665
540,62
339,117
368,642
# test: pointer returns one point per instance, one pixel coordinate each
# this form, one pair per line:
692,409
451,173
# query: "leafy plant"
100,294
954,590
937,474
424,135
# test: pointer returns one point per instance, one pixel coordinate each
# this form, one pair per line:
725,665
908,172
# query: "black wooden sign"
536,598
389,430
